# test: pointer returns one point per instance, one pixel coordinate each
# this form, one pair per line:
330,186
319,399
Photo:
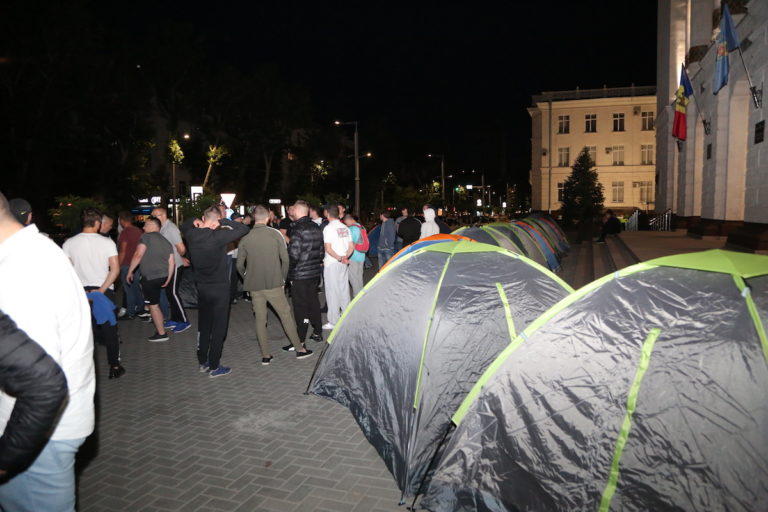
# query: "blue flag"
726,42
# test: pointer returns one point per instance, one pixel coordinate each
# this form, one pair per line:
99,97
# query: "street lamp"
442,174
357,165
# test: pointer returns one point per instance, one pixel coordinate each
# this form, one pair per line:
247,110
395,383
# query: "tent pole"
317,364
429,467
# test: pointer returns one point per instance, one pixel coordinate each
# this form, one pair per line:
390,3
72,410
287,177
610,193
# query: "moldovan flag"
726,42
679,126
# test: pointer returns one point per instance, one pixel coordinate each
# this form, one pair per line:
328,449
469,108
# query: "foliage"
214,155
190,208
582,193
67,214
175,152
310,198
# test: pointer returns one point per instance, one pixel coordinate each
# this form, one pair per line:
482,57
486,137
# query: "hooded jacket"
306,250
429,227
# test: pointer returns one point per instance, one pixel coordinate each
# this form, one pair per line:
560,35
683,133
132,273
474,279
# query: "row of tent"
486,383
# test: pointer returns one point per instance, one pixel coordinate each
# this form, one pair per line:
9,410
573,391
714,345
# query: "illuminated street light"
185,136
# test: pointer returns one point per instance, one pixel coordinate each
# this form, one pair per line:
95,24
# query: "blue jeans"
384,256
48,484
134,298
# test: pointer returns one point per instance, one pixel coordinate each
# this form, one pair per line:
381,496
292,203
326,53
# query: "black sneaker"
115,372
266,360
289,348
158,337
302,355
316,337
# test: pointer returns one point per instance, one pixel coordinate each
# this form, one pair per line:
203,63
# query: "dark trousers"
178,314
306,306
212,320
105,333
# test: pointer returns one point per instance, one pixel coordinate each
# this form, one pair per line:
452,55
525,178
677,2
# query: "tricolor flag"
679,126
726,42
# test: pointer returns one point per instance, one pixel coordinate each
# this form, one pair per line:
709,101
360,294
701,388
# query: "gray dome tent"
411,344
644,390
488,237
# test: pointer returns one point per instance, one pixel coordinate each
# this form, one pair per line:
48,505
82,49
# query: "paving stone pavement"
171,438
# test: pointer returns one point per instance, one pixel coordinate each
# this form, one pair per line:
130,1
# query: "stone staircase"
588,261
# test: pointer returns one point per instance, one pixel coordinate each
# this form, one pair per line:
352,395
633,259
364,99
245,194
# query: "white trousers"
336,277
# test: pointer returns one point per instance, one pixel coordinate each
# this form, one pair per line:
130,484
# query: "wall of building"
723,174
603,140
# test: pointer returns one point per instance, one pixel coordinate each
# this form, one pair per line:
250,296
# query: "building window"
709,151
560,191
645,191
563,157
618,122
590,123
592,150
759,132
646,154
648,121
618,155
617,192
563,124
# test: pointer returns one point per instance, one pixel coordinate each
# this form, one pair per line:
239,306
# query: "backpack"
364,244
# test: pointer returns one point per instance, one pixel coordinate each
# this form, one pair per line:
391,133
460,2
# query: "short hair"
318,210
212,213
302,205
5,209
153,220
107,216
260,213
163,208
404,208
125,216
90,217
333,211
385,213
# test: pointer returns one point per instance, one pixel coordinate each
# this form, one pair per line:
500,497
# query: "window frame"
648,121
617,192
590,120
614,151
646,150
563,124
619,120
567,151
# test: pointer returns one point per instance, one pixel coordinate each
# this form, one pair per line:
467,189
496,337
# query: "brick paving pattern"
171,438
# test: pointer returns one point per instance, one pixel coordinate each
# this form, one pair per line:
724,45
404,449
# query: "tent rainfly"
644,390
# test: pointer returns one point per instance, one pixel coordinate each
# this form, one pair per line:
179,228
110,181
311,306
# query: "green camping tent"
412,343
644,390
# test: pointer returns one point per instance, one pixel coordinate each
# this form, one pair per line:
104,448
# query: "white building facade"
716,182
617,127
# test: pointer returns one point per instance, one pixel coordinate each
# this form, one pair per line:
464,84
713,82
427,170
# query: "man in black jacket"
30,375
306,252
409,228
207,240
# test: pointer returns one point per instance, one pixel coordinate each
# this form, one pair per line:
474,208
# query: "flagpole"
701,118
757,95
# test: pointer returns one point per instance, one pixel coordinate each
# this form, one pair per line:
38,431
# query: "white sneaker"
121,313
328,327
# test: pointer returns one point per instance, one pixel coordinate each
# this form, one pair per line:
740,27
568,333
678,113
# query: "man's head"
151,225
107,222
349,219
261,215
342,210
211,218
91,220
404,211
21,210
332,212
315,212
300,209
236,217
291,213
125,219
160,213
385,215
8,223
248,219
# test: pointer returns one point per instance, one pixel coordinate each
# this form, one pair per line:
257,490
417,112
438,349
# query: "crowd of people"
47,351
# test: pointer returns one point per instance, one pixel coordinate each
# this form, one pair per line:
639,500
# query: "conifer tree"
582,193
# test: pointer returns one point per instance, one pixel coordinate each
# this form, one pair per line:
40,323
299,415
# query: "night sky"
436,78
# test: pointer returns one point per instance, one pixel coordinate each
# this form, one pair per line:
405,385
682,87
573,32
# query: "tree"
582,193
215,155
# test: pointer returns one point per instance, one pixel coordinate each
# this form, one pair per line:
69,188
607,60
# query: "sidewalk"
648,245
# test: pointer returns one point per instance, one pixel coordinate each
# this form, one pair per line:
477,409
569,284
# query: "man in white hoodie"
429,227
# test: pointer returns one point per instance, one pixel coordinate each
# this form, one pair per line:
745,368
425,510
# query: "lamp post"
442,174
357,165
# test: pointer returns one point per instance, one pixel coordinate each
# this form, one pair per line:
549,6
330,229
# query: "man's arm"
187,227
171,268
284,260
242,255
140,250
224,236
181,248
28,373
114,272
330,251
121,253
